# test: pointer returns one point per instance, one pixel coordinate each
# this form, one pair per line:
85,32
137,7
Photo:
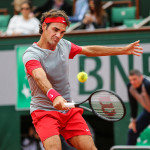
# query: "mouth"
56,40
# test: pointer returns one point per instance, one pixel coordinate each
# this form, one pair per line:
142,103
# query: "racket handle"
70,105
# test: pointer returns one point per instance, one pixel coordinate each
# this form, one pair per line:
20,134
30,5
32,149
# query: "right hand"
132,126
58,103
134,49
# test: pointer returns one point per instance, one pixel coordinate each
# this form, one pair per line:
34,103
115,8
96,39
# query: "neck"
26,17
44,44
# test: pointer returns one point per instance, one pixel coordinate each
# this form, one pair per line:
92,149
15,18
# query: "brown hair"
135,72
99,11
27,2
53,13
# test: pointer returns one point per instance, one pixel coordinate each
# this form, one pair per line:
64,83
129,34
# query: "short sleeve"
75,49
30,55
31,61
31,65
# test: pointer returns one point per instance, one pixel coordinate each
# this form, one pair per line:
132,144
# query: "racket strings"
107,105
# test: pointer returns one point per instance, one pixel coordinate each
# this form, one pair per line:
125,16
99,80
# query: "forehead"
59,26
25,4
134,77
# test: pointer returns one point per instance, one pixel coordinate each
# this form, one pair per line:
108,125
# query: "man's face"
25,10
59,2
53,33
136,80
91,4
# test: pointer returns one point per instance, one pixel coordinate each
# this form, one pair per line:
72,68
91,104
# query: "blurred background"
93,22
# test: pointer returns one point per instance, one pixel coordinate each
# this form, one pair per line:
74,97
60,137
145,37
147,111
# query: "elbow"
37,77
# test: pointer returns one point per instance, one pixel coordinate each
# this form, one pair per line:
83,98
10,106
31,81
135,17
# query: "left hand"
58,103
132,126
134,49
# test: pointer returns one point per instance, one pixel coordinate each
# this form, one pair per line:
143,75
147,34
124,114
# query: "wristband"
52,94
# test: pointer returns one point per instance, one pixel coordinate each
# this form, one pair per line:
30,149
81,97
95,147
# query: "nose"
132,82
58,34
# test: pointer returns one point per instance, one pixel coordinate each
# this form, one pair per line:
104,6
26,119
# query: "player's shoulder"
32,52
32,49
64,42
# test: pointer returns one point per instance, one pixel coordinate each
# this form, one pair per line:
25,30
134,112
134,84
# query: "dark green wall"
144,7
10,128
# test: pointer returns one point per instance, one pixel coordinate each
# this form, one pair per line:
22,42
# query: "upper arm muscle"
84,51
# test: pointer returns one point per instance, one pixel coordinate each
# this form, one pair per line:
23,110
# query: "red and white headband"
56,20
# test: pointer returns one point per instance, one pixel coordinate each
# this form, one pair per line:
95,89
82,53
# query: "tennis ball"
82,76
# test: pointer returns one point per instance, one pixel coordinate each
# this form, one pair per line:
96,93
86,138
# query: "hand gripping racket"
104,104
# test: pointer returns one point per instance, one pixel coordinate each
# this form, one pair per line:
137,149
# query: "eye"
56,29
62,32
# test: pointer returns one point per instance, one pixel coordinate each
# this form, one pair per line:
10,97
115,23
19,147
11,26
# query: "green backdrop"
23,93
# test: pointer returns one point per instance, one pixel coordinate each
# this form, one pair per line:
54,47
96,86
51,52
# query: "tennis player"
46,64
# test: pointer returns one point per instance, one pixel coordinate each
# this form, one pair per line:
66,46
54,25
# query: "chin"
136,87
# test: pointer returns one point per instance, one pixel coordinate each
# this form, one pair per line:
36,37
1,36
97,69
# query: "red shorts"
50,123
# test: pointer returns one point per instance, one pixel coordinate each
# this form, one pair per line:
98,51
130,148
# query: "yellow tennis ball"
82,76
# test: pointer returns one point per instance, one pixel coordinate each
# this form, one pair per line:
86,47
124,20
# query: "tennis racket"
104,104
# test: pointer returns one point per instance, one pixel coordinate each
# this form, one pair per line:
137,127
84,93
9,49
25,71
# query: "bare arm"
142,98
40,77
132,48
146,98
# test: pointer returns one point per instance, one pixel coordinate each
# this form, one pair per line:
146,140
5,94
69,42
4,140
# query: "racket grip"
70,105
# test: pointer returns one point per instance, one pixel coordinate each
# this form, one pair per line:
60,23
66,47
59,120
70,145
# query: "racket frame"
111,92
